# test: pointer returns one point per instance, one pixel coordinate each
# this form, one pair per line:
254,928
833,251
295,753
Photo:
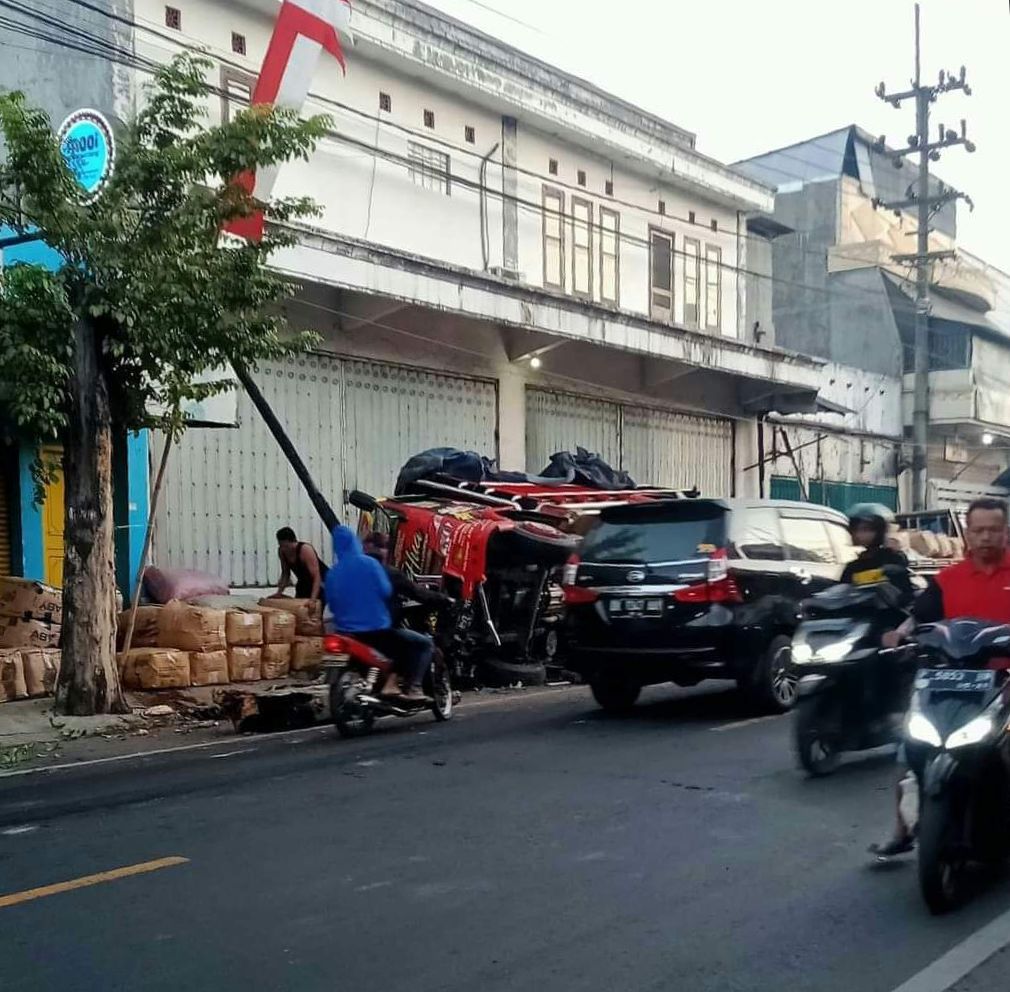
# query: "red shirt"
970,591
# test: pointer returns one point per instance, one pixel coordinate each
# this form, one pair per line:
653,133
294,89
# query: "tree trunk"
89,680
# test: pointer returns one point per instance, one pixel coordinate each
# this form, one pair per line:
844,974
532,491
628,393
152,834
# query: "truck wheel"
615,694
497,674
773,687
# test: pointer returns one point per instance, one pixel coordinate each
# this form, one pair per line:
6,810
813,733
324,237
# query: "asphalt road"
531,843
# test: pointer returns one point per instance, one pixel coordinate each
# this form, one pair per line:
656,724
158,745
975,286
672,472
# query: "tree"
149,299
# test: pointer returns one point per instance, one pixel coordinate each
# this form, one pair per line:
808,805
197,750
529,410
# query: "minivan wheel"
774,684
614,694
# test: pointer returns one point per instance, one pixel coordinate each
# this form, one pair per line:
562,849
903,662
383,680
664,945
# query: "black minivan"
691,589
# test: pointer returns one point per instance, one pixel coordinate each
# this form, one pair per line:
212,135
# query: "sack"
208,667
30,600
12,676
276,661
307,612
191,628
306,652
278,625
155,668
16,632
145,630
225,602
243,629
925,543
164,585
244,664
52,657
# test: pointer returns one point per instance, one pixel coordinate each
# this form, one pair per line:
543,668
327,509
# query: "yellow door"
52,530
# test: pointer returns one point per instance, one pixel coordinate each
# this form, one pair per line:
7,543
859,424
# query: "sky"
748,76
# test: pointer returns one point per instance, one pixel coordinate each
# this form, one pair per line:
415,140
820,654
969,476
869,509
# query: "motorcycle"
957,743
851,693
353,672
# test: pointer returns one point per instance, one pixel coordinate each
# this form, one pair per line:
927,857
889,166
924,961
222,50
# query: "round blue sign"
88,148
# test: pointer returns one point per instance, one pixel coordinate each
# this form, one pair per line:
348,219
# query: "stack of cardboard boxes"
214,641
30,618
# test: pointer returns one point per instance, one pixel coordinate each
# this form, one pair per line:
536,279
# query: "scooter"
957,743
851,693
354,671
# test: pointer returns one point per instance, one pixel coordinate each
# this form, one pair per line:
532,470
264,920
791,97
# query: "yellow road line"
80,883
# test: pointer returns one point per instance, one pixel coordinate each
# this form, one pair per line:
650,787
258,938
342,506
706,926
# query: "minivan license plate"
636,607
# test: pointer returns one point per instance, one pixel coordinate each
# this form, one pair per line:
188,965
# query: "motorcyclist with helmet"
869,524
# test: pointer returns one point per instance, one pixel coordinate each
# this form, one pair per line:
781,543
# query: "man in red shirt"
977,587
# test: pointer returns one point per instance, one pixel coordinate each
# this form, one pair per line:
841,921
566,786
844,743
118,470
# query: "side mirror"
362,501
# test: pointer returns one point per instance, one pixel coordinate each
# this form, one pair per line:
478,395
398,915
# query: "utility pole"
926,206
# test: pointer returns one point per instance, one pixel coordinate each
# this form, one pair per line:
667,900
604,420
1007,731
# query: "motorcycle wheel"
941,865
441,691
817,747
349,717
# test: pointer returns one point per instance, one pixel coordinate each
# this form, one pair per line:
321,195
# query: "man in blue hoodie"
359,595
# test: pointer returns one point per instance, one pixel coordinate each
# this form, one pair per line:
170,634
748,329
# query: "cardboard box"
191,628
278,625
244,664
155,668
242,629
307,612
306,652
276,661
208,667
30,600
12,676
16,632
41,667
145,629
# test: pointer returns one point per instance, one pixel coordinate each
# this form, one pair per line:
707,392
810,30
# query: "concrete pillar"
512,420
746,454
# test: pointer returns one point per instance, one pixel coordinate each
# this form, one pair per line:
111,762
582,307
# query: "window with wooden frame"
610,256
692,282
582,247
236,92
660,275
428,167
554,237
713,288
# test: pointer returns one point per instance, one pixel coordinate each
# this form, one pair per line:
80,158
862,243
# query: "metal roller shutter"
678,450
563,421
227,491
656,447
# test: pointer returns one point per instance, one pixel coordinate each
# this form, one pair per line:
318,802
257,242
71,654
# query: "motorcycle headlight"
920,729
972,732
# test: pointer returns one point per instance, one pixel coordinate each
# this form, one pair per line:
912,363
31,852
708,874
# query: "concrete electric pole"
926,206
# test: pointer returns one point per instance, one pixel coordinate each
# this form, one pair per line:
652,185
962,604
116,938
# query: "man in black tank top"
300,560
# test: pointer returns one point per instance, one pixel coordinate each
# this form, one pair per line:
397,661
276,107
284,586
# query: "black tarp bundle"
580,469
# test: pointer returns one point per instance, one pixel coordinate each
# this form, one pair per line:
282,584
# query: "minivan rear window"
652,538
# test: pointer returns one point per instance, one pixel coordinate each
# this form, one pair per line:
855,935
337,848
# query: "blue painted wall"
32,564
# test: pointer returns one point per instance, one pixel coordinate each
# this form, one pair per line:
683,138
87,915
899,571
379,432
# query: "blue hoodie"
358,591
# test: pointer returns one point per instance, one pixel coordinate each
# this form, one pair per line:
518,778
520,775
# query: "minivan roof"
631,510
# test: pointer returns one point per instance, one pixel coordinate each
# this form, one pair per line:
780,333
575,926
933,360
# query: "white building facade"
506,260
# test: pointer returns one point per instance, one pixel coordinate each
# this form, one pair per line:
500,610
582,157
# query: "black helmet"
875,514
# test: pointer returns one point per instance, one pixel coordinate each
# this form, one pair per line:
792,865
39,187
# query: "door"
52,529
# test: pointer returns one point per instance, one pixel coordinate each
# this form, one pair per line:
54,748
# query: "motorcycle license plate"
955,680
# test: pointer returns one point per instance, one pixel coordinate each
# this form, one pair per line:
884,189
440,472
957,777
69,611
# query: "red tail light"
333,644
575,595
720,587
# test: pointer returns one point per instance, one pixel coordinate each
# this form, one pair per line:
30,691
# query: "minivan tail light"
720,586
575,595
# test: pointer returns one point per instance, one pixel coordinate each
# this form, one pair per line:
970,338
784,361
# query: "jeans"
417,651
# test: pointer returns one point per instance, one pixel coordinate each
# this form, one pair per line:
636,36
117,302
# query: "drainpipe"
485,248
